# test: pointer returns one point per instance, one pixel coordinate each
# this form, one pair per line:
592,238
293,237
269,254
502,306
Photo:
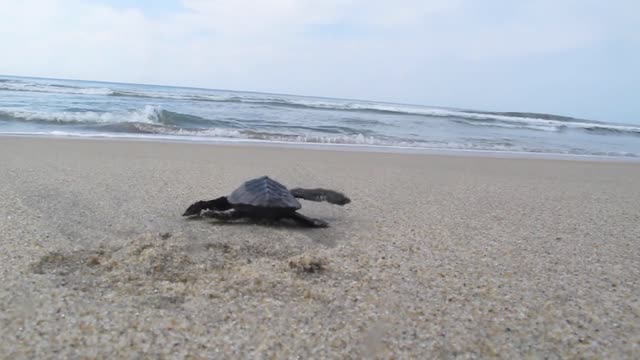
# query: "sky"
566,57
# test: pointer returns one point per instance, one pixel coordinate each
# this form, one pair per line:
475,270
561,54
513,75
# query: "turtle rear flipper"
318,194
307,221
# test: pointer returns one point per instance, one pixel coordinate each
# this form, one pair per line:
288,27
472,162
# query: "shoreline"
497,154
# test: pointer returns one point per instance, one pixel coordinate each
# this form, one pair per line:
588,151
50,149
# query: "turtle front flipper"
330,196
219,204
307,221
224,215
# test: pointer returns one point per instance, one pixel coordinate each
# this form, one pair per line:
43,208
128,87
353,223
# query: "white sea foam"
509,125
212,132
149,114
358,139
450,146
45,88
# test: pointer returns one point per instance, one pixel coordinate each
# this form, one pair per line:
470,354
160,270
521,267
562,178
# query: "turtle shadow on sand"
323,238
279,224
266,201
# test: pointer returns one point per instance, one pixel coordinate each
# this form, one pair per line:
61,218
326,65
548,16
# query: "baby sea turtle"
265,199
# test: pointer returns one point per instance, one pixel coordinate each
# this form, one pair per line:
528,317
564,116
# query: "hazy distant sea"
96,109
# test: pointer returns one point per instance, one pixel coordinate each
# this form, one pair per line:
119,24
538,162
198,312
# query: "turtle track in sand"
165,271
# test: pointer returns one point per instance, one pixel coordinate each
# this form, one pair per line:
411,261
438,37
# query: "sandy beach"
437,256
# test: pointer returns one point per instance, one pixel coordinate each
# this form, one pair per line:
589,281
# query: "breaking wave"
155,120
616,130
148,115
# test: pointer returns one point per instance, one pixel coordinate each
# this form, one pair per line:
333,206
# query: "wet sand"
436,257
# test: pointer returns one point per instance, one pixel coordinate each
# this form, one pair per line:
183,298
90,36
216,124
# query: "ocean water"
38,106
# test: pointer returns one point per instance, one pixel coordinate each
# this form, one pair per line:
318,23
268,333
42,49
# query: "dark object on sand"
266,199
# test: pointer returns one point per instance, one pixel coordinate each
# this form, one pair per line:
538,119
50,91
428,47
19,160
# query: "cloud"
77,36
397,51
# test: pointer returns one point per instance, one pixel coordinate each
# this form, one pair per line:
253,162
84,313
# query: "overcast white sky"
569,57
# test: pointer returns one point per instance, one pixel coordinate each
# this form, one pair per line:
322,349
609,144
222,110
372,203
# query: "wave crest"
53,88
150,114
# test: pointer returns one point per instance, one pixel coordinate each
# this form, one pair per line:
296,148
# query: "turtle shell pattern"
264,192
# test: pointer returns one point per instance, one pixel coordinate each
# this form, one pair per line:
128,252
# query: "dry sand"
436,257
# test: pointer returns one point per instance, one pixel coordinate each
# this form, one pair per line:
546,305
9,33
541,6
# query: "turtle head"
194,209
